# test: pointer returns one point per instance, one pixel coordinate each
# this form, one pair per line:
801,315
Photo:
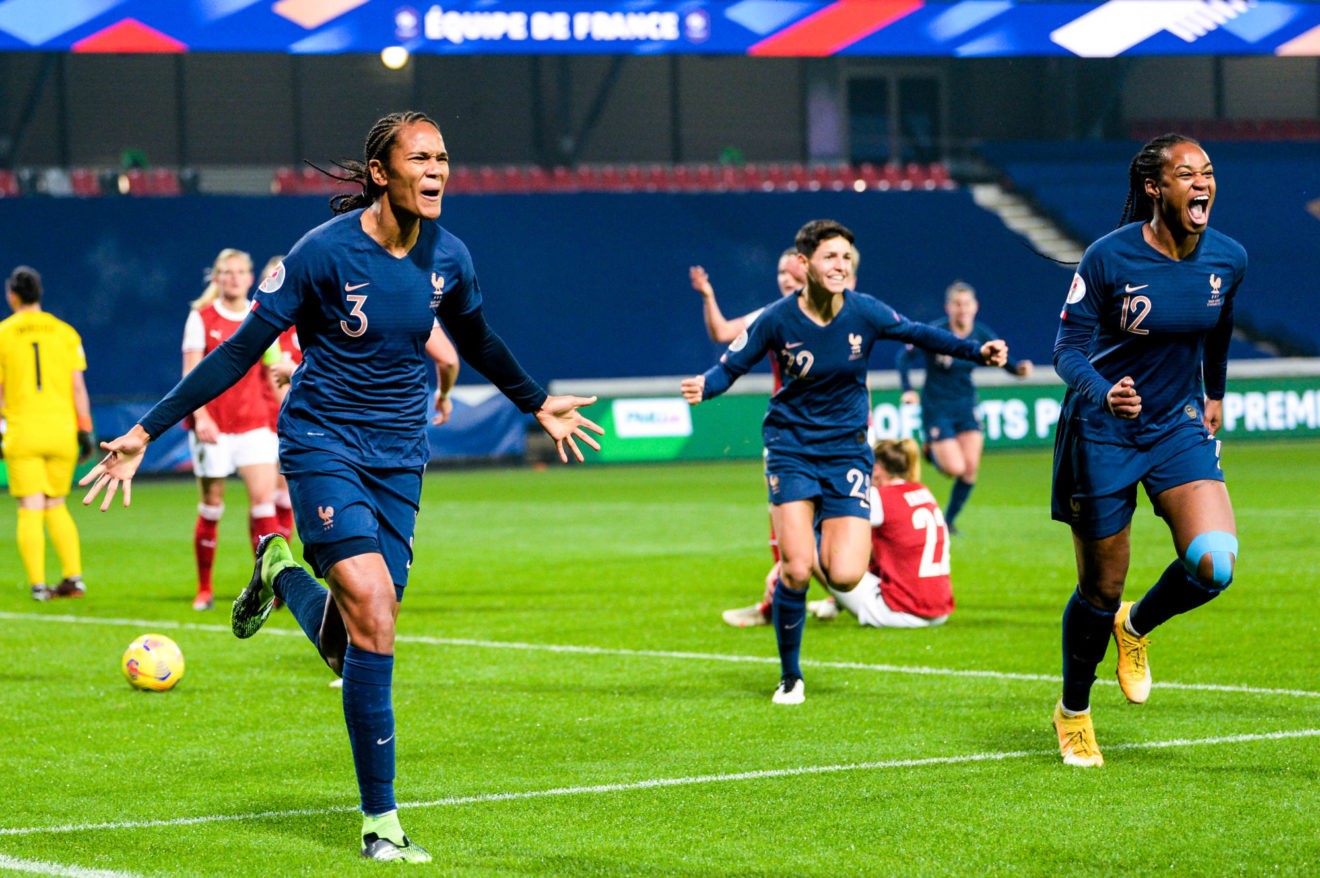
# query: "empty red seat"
610,179
657,178
731,178
85,182
163,181
9,187
460,180
488,179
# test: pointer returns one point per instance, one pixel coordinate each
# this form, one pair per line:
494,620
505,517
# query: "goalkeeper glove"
86,445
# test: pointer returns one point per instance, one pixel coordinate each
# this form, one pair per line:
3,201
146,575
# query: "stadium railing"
656,177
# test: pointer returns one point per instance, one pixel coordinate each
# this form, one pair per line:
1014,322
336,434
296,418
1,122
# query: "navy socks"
957,498
305,598
789,614
1086,633
369,714
1173,593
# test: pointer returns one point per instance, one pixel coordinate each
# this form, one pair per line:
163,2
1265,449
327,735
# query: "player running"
951,429
1143,346
364,289
818,463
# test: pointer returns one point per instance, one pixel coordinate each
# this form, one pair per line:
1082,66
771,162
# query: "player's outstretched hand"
117,467
560,419
995,352
693,388
700,280
1122,399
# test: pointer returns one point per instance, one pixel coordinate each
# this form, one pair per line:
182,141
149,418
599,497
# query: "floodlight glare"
394,57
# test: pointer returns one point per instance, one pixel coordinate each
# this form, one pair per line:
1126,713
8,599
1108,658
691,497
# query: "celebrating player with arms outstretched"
1143,347
818,463
363,290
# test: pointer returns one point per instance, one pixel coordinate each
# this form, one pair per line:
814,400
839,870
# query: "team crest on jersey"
854,346
273,281
1191,412
944,361
1077,291
1216,298
437,289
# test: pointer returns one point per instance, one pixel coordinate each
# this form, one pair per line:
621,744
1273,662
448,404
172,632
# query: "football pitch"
569,703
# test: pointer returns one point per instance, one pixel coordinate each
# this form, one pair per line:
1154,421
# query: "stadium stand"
1263,199
1273,130
694,177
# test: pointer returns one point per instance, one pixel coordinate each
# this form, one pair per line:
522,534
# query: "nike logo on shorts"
348,288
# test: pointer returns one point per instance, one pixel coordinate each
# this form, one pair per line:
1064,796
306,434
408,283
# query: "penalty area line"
569,649
658,783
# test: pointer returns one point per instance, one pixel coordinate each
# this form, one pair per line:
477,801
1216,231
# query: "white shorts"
220,459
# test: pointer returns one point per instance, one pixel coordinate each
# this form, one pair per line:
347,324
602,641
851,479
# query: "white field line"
39,867
161,625
659,783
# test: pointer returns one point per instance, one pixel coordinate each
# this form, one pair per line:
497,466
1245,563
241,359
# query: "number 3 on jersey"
355,331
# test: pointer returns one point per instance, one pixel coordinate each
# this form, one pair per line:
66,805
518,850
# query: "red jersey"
910,550
248,404
289,347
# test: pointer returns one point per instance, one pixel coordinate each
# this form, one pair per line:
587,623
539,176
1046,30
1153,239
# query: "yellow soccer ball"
153,662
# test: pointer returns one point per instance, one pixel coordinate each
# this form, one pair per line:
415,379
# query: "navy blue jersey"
948,389
823,406
1132,311
363,318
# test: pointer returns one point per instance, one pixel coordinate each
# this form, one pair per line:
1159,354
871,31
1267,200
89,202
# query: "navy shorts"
839,484
938,426
343,509
1095,483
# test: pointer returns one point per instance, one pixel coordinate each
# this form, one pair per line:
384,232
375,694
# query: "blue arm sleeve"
745,352
1214,365
933,338
906,358
1073,365
216,373
487,353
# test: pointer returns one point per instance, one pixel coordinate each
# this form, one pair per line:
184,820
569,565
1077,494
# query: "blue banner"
794,28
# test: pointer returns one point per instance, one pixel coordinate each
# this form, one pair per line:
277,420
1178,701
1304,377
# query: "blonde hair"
212,291
899,457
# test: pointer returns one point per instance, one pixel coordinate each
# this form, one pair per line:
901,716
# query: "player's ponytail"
1147,164
900,458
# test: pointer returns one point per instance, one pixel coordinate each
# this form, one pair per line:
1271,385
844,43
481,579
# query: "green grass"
648,744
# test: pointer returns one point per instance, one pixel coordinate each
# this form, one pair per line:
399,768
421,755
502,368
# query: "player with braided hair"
364,289
1143,347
